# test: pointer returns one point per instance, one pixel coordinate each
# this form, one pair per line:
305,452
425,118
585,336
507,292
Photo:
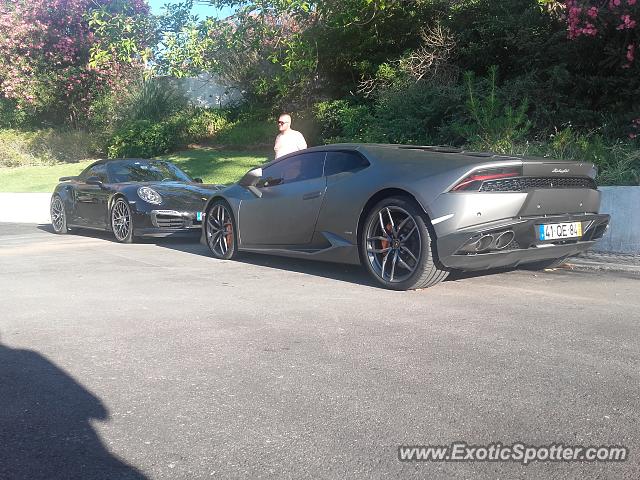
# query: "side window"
99,171
339,162
85,174
304,166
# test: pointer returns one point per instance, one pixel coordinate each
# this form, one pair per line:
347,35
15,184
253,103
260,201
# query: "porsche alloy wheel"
58,215
122,221
220,231
397,247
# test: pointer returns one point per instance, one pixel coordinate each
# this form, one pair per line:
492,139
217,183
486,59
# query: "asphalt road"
155,361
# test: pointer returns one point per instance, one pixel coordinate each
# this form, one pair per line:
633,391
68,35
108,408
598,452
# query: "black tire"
383,235
220,230
122,221
58,215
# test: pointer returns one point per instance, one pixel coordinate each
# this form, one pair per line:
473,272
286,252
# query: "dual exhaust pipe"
491,241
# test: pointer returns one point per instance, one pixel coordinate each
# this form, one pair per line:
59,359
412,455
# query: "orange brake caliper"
386,243
229,235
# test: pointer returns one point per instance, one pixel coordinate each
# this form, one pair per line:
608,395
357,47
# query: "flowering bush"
615,21
45,50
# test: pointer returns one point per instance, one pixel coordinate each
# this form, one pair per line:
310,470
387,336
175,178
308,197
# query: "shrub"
621,167
45,55
106,112
153,99
492,124
342,121
45,147
618,162
145,139
10,116
136,99
420,113
614,23
205,124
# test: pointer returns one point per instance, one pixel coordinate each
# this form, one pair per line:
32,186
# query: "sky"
201,9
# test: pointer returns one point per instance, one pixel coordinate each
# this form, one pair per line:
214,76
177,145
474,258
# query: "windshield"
145,171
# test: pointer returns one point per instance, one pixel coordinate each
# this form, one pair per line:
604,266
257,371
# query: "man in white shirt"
288,140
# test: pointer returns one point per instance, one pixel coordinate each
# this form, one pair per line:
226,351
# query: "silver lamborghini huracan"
409,214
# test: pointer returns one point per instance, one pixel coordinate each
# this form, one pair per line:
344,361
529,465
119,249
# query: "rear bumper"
525,246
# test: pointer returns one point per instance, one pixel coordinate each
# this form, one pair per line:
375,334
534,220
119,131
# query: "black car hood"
182,196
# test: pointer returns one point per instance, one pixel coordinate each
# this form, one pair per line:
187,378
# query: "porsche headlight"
149,195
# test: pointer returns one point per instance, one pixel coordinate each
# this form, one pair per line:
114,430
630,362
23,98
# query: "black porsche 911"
130,197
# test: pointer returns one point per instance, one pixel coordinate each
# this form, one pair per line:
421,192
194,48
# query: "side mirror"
197,180
251,178
94,181
66,179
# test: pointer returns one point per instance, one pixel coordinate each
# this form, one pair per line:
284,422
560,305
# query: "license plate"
555,231
199,216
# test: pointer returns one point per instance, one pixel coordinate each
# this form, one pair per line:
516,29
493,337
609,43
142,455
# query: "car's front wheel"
396,246
220,230
122,221
58,215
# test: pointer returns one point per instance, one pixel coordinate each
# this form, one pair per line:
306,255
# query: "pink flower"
630,52
627,23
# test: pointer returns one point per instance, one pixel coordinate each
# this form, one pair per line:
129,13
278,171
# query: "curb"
25,207
604,262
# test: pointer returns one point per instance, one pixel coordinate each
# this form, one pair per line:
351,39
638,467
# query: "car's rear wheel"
58,215
220,230
396,246
122,221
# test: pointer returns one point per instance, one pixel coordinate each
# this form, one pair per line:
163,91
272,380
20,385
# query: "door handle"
310,195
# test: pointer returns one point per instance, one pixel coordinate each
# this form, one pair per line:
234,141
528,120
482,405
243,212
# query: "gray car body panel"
326,227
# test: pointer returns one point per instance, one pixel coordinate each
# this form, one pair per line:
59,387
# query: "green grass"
247,132
213,166
217,166
39,178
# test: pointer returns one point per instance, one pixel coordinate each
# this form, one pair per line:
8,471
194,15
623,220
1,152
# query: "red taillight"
474,181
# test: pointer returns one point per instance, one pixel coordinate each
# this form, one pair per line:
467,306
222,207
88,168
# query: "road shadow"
189,243
187,237
335,271
46,227
45,429
79,232
343,272
459,275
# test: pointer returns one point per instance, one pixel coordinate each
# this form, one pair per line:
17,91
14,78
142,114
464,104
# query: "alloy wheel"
57,215
121,220
393,244
219,230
